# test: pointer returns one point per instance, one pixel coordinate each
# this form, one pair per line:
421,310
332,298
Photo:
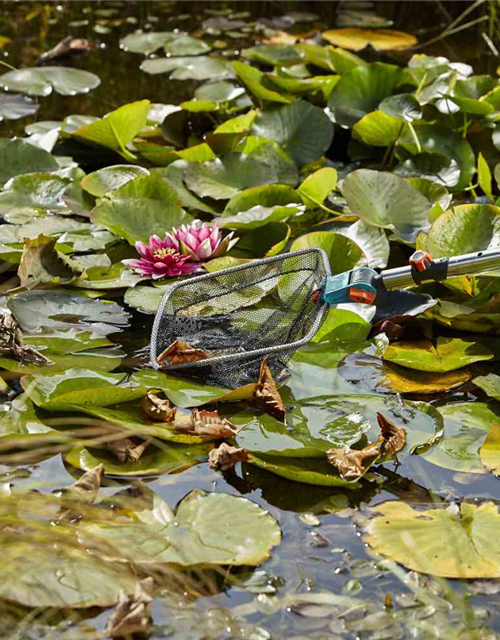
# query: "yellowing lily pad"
447,354
456,542
379,39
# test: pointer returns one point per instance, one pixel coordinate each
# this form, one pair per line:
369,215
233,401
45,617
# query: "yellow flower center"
163,253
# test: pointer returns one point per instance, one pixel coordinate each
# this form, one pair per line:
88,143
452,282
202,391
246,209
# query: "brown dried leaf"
209,423
158,408
128,449
180,352
226,456
394,436
266,395
85,489
66,48
353,463
132,614
11,342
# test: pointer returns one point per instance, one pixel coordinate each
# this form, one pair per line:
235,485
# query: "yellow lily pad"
379,39
490,451
453,542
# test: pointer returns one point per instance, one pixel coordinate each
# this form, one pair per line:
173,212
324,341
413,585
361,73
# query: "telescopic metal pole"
463,265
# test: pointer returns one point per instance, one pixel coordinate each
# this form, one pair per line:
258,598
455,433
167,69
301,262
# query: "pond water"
323,580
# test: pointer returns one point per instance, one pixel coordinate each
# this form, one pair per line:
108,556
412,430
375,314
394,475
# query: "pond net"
237,316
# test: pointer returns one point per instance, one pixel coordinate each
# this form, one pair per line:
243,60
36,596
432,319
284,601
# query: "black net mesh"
237,316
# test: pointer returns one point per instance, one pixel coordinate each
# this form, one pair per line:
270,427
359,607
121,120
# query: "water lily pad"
167,458
259,85
378,39
307,471
116,276
62,309
224,177
13,107
18,157
371,240
434,138
490,451
189,68
140,208
456,542
42,265
317,187
302,129
174,176
98,183
117,128
273,54
362,89
490,384
403,106
447,354
206,529
259,216
27,196
337,60
436,167
344,253
41,81
466,427
466,228
62,391
273,195
388,201
219,91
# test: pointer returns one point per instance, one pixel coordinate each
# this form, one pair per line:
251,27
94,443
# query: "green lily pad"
13,107
21,419
466,427
116,276
183,393
224,177
259,216
206,529
219,91
403,106
18,157
490,451
174,177
189,68
436,167
41,81
33,194
447,354
117,128
378,129
466,228
273,54
75,387
302,129
308,471
343,325
457,542
317,187
167,458
62,309
269,152
259,85
140,208
65,341
490,384
344,253
388,201
98,183
329,58
432,138
145,297
267,196
371,240
362,89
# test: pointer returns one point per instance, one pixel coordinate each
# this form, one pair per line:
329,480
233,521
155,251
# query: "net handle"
178,285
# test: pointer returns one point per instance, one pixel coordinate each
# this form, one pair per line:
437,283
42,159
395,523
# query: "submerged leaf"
226,456
180,352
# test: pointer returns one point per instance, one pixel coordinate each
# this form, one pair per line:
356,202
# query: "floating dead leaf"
128,449
394,437
132,614
208,424
85,489
180,352
266,395
379,39
158,408
11,342
354,463
226,456
67,48
282,37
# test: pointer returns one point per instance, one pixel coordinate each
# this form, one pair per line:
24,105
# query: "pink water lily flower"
160,258
201,241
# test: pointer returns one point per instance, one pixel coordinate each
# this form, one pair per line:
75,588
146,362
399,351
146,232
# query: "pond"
345,489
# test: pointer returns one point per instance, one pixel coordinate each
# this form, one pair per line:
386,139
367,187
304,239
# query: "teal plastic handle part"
337,288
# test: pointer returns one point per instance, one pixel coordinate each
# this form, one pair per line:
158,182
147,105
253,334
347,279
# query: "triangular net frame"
239,315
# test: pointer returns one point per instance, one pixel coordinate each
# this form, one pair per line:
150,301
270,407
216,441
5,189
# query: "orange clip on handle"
421,261
360,295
